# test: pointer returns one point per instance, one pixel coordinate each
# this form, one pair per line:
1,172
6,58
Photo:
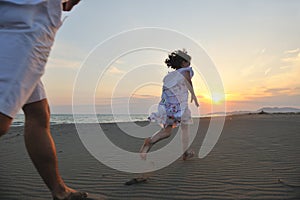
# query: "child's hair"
176,58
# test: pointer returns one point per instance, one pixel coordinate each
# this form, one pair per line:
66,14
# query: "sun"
217,98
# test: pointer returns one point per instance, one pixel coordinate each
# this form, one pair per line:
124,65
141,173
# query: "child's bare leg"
160,135
185,139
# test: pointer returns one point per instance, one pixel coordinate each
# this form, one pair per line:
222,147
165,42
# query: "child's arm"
190,87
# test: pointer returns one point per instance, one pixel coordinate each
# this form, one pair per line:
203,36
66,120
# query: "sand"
256,157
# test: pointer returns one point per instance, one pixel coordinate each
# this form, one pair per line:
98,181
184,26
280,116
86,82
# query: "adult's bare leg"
41,148
5,122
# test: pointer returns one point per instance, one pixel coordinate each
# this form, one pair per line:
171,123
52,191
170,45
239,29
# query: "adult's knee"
37,113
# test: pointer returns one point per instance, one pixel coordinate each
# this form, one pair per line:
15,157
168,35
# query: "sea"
86,118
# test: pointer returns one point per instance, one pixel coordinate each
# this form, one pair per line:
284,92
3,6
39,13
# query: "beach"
256,157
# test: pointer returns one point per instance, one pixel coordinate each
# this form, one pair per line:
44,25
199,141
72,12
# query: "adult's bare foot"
65,193
71,194
74,196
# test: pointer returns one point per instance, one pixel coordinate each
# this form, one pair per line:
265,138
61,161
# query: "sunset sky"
254,44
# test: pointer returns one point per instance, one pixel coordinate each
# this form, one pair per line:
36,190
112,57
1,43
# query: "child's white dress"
173,107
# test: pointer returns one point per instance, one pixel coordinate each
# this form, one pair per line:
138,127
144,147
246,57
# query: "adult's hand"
67,6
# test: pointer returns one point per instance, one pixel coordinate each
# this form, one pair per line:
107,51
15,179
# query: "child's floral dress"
173,107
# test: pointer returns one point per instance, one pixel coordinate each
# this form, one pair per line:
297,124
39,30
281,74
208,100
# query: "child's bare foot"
145,148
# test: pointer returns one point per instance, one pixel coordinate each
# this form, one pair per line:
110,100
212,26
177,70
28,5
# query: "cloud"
143,96
268,70
114,70
200,96
119,62
66,55
255,103
260,65
276,91
137,98
259,92
121,105
248,70
292,51
294,59
62,63
284,67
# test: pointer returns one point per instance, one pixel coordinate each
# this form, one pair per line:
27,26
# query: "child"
173,108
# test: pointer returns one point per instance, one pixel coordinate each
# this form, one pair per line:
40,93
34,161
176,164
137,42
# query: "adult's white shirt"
24,2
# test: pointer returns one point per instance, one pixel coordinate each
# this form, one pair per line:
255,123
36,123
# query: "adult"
27,31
